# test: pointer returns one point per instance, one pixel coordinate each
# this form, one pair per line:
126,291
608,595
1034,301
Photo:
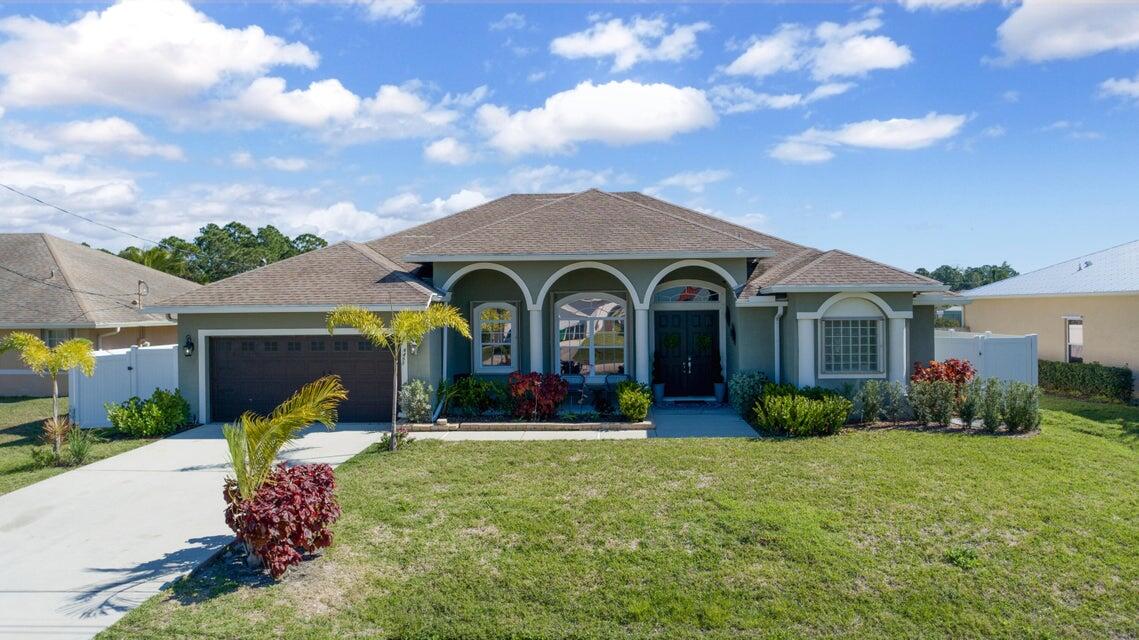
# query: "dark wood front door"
256,373
688,342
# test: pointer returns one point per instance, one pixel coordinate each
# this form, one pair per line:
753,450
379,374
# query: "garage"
256,373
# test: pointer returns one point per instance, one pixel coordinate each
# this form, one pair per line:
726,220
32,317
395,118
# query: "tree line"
959,278
220,252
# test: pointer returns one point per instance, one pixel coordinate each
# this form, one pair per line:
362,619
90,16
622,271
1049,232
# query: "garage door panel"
258,373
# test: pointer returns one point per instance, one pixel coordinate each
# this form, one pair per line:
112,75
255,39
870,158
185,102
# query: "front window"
591,335
852,347
53,337
495,338
1075,339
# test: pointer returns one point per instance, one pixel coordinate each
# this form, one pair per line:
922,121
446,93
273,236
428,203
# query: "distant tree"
222,251
960,279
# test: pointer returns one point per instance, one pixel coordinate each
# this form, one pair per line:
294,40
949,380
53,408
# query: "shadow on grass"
224,574
1108,417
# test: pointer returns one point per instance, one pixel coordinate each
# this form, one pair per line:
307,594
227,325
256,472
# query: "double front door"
688,344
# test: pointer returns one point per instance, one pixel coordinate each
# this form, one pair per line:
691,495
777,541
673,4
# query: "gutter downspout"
99,337
439,406
778,334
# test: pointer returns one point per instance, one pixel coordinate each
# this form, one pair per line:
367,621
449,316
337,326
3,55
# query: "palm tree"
158,258
256,440
407,328
42,359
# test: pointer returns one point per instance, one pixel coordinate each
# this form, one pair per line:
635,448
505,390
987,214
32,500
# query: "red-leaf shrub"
537,396
952,370
290,514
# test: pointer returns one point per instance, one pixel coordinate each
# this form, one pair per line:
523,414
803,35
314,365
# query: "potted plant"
717,376
658,377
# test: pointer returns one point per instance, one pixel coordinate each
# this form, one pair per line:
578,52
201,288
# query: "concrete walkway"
699,422
79,550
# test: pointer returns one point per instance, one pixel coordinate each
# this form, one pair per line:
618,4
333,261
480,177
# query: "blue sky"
921,133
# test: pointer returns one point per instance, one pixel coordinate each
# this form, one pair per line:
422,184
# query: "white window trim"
858,375
1068,336
476,353
558,317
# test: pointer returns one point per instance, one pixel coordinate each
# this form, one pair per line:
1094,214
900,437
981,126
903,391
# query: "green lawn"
870,534
20,421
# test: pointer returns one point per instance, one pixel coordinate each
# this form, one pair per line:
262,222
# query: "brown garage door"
256,373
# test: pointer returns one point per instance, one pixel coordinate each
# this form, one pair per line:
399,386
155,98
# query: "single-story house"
590,283
59,290
1084,310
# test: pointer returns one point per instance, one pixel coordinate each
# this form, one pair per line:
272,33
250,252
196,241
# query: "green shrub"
933,401
79,445
992,404
896,406
43,457
471,396
1021,407
415,401
799,415
969,401
744,389
159,415
634,400
1087,380
870,399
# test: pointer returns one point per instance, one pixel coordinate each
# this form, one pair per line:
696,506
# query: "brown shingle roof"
591,222
811,268
46,280
343,273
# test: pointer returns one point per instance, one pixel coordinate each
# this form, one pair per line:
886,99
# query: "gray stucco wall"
755,340
921,335
424,364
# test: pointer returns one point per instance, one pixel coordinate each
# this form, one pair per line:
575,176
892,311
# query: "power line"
112,296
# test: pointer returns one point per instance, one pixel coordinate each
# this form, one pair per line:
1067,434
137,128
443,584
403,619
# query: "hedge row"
1087,380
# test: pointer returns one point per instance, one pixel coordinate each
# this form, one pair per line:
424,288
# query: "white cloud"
615,113
1011,97
409,11
393,113
447,151
995,131
243,159
536,76
937,5
554,179
319,104
693,181
1120,87
1040,30
736,98
1074,130
291,164
410,206
92,137
148,55
640,39
817,145
511,20
829,50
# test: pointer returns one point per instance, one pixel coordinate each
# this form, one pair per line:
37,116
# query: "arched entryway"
689,336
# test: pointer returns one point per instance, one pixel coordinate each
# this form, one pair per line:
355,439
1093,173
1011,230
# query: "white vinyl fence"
119,375
992,355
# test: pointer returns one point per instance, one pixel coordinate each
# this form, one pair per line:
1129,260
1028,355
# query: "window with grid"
851,346
591,335
495,339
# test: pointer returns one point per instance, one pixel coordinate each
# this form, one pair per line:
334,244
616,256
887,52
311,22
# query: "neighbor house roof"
552,226
347,272
1114,270
593,223
50,282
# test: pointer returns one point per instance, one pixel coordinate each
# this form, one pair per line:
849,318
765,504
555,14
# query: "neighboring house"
1084,310
591,283
58,290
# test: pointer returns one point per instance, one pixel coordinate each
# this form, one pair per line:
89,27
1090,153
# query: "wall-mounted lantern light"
188,347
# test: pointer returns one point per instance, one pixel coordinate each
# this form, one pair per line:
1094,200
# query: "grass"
20,421
869,534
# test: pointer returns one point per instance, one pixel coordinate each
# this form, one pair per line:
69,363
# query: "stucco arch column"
641,348
537,351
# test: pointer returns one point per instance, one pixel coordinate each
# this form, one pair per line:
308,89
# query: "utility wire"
112,296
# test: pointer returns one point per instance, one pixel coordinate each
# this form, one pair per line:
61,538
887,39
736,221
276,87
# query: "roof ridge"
384,261
499,221
811,263
718,219
888,266
673,215
79,300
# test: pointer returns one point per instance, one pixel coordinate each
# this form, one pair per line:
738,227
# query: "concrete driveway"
81,549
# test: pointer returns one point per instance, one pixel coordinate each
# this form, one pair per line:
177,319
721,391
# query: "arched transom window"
496,341
686,293
591,334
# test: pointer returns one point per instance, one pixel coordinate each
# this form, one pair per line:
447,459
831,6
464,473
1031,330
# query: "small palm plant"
52,361
255,440
407,328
